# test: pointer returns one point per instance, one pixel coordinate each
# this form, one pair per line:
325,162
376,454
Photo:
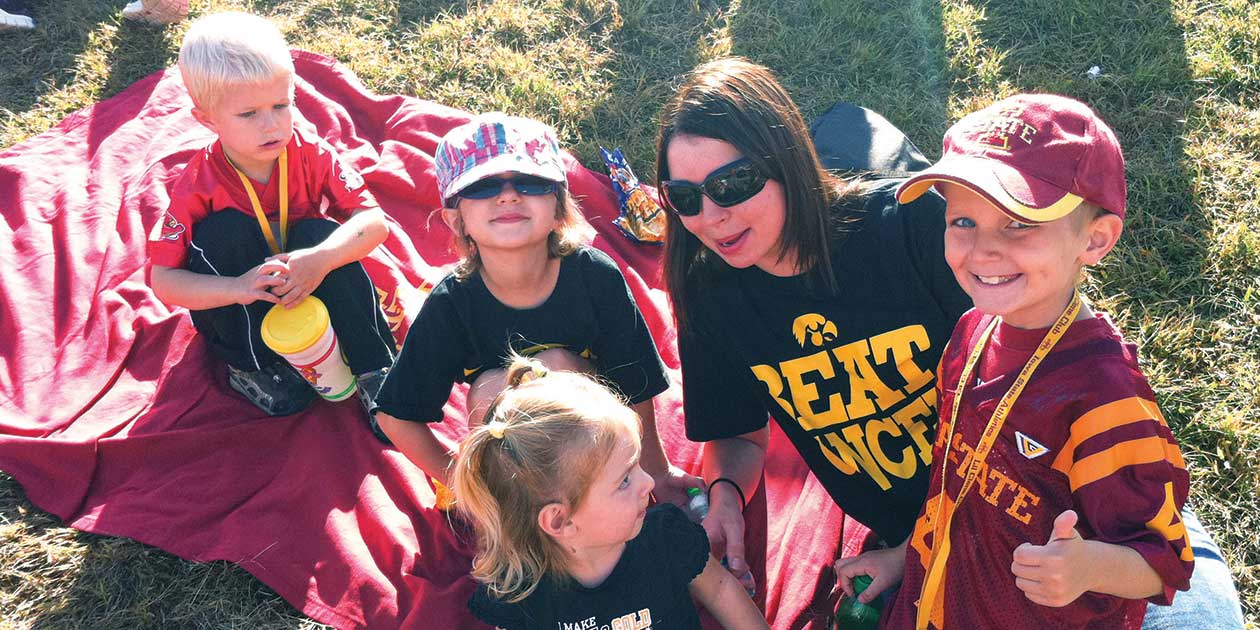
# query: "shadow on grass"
421,11
79,50
655,46
42,61
140,49
887,57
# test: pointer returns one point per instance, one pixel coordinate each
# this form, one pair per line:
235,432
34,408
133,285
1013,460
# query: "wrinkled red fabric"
115,417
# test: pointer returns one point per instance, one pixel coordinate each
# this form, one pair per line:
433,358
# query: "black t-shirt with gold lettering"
649,587
849,376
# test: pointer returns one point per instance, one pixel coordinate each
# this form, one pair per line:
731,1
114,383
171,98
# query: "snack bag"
640,217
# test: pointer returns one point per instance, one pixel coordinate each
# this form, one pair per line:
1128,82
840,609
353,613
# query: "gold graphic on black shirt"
879,428
530,351
813,328
641,620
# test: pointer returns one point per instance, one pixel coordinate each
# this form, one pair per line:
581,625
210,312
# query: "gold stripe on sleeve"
1131,453
1105,418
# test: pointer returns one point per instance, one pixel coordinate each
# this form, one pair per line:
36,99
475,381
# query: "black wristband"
743,501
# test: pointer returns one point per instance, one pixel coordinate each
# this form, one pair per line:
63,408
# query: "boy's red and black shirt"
321,184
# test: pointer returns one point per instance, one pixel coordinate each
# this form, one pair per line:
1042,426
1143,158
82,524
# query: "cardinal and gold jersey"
1086,435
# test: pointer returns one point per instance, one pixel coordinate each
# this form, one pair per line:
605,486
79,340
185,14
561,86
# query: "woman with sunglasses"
820,302
525,285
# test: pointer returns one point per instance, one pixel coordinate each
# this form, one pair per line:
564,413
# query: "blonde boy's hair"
223,50
1087,212
572,232
546,438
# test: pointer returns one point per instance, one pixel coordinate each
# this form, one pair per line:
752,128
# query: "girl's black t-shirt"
462,330
647,589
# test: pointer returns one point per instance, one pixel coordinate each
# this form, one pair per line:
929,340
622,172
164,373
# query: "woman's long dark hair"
742,103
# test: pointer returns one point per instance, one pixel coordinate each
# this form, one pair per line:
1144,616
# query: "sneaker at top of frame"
14,21
156,11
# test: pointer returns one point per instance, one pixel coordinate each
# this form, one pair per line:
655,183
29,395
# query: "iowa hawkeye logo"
813,328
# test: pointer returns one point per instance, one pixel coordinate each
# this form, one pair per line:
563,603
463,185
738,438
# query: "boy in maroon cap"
1056,487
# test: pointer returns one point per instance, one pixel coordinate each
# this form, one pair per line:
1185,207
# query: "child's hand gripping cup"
304,336
852,614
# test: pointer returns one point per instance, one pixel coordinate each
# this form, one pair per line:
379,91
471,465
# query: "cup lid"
292,330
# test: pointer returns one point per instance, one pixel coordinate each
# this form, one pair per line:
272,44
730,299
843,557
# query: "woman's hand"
672,485
739,460
725,527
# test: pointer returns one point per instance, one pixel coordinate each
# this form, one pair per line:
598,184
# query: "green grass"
1180,83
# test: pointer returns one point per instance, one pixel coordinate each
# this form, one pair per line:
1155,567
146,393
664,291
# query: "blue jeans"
1212,601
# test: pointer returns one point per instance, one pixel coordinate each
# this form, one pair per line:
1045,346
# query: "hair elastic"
496,428
743,501
534,373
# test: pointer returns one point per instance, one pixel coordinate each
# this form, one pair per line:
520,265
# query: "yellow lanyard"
932,582
276,247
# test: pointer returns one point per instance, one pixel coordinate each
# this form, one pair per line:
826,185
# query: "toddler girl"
553,486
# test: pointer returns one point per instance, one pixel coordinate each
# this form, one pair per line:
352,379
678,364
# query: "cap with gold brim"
1022,197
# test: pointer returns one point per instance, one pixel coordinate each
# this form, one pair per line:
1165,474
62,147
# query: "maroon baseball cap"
1033,156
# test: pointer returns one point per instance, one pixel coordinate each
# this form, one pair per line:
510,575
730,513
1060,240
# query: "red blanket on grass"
115,417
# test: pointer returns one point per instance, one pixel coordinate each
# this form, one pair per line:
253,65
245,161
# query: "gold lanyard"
276,247
935,576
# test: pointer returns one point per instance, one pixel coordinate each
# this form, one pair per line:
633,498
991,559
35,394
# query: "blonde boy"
251,218
1056,487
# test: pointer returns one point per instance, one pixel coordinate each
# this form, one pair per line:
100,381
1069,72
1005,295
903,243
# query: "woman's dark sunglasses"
491,187
734,183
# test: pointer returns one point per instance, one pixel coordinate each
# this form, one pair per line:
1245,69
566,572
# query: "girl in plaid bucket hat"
526,283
